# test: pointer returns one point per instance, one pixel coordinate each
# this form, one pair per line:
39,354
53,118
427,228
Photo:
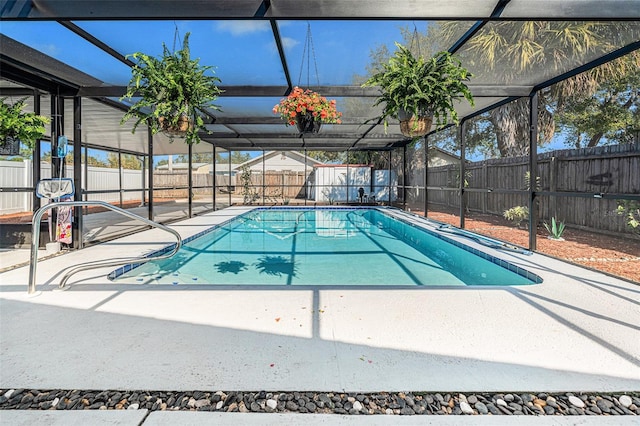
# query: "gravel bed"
390,403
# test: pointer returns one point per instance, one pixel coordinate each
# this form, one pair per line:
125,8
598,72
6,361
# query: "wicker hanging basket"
416,126
184,124
9,146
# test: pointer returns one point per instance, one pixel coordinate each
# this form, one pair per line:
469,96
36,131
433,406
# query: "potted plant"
174,92
307,110
17,126
417,91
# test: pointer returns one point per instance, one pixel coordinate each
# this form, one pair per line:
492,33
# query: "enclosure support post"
533,168
404,177
347,177
389,179
305,180
37,153
150,171
264,189
120,176
190,179
462,172
77,172
426,172
213,169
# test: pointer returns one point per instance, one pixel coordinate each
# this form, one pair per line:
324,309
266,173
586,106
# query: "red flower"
307,102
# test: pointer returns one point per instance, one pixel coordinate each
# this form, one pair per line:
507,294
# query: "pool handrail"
35,241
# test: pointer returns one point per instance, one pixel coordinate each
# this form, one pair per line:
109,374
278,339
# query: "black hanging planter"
306,123
10,146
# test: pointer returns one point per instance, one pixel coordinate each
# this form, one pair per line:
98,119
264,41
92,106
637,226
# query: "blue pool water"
334,246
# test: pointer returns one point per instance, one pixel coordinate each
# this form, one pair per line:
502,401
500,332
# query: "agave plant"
555,230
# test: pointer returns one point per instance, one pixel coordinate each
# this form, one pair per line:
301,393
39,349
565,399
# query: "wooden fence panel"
600,170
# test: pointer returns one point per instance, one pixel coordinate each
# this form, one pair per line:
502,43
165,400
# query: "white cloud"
238,28
289,43
48,49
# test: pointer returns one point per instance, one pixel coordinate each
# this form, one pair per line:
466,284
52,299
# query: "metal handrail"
35,241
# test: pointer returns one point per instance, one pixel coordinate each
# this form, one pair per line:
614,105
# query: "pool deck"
577,331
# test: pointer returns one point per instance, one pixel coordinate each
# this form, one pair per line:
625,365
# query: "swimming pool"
326,246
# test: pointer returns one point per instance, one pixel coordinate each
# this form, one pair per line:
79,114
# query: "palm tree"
517,51
535,51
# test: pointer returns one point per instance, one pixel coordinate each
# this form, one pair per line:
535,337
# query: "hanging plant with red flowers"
308,107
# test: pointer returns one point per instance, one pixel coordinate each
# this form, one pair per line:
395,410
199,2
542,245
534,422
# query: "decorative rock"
202,403
625,401
509,397
271,403
492,409
219,405
501,403
472,399
466,408
574,400
604,405
133,406
407,411
482,409
357,405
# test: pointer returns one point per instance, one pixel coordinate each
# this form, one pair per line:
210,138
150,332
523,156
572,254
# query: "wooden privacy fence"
608,169
180,179
281,184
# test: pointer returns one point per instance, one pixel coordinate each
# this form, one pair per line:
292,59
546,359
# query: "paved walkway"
577,331
183,418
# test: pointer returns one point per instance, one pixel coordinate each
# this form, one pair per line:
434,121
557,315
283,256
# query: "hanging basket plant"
175,91
307,110
17,126
421,92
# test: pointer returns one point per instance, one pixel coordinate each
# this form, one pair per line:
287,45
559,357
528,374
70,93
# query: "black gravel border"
390,403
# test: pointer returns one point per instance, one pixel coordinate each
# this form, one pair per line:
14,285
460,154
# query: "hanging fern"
27,127
171,88
421,87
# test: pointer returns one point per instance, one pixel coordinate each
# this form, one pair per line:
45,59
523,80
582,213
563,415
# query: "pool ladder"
35,241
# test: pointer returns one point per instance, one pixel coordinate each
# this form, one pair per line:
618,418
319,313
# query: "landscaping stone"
400,403
574,400
625,401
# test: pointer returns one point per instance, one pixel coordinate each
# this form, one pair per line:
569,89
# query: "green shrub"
516,214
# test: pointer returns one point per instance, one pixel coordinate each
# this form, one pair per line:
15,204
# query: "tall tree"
504,52
611,114
513,51
129,161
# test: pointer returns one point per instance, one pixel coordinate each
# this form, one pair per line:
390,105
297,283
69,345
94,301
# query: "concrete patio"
577,331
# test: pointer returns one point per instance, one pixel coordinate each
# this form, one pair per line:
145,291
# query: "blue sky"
243,52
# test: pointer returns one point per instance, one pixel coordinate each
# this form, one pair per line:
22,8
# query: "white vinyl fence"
17,174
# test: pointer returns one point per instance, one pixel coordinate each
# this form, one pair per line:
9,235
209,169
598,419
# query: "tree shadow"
233,267
277,266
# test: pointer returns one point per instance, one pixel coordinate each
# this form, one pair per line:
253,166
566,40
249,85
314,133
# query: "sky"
242,52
